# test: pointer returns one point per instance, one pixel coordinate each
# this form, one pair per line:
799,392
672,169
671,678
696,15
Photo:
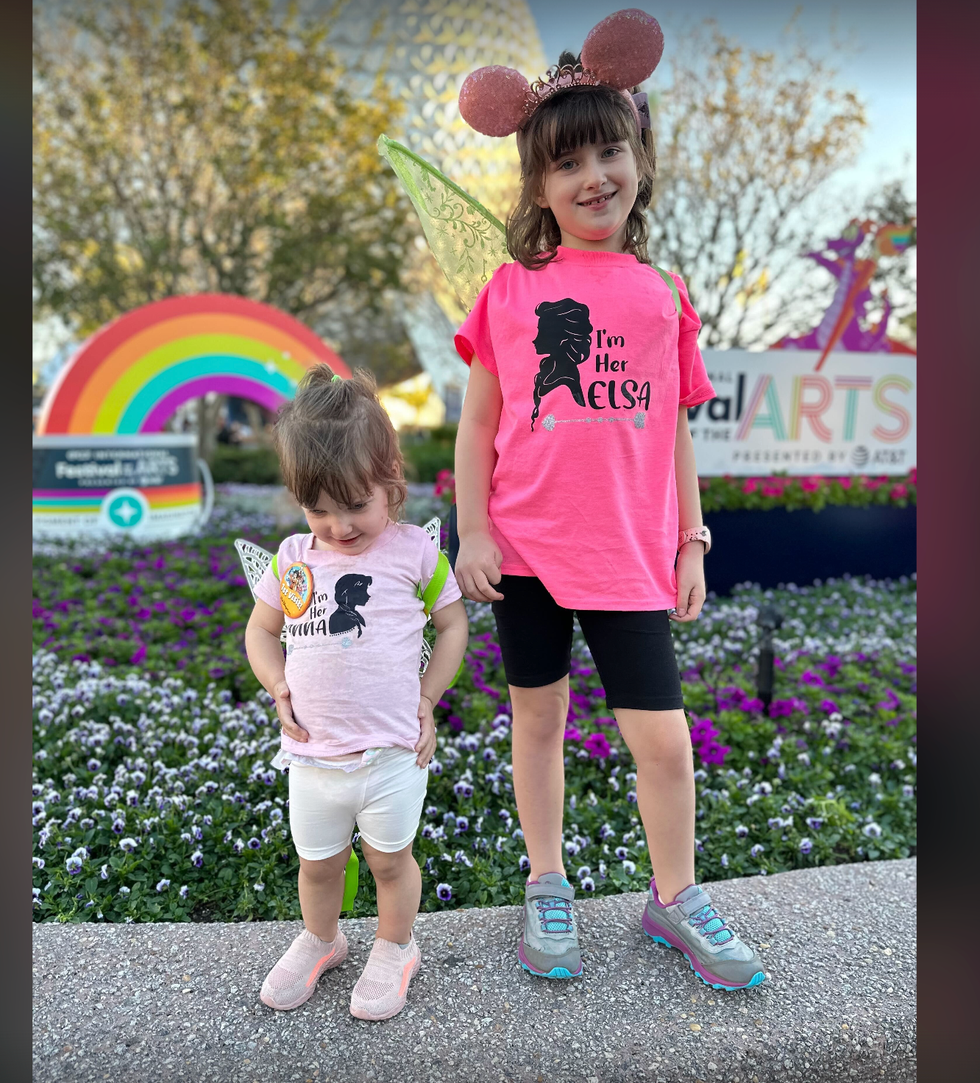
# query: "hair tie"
335,378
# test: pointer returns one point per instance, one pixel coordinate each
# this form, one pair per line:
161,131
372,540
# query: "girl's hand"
284,709
477,567
690,582
427,732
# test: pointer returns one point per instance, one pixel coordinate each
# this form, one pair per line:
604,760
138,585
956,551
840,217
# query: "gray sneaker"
549,942
692,925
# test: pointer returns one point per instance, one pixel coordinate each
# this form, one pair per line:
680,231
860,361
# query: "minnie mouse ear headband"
620,52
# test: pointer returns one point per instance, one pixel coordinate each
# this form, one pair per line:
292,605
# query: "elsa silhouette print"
351,591
565,337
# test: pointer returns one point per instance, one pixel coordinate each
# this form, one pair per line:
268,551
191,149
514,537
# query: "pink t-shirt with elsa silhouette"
352,659
594,366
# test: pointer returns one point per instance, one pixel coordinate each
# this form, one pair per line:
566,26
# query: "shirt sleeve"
450,590
267,588
695,386
474,336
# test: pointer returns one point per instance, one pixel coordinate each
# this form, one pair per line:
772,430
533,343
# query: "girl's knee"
325,870
658,739
388,866
541,710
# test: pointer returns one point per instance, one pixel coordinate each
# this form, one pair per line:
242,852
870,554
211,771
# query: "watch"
699,533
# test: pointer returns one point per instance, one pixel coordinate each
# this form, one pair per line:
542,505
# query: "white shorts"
384,799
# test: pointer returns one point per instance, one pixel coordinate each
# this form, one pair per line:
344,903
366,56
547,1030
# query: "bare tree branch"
746,140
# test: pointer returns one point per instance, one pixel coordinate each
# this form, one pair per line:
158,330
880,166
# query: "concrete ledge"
157,1003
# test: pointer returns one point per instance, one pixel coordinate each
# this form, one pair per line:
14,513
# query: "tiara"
619,52
558,77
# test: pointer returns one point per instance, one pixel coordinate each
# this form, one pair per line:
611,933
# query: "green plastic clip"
350,882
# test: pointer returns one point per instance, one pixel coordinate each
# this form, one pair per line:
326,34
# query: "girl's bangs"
580,117
350,486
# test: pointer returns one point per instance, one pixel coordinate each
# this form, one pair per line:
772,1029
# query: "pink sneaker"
293,979
381,990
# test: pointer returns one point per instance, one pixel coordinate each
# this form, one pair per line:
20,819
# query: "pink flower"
845,483
597,746
749,485
899,491
811,485
445,482
772,490
913,476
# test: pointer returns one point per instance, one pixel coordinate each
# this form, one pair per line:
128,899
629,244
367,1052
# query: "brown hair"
336,436
569,119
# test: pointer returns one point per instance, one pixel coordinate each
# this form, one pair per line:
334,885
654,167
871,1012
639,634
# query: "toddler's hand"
477,567
284,709
690,582
427,732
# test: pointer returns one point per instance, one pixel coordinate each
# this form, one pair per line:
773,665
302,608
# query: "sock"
404,946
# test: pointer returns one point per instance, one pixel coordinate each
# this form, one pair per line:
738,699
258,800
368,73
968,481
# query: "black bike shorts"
633,651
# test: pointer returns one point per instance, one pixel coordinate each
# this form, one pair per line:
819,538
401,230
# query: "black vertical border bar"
948,416
15,535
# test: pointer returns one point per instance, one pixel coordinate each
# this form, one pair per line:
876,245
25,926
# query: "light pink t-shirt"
352,659
593,366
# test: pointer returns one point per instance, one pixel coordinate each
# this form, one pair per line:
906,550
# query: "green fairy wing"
468,242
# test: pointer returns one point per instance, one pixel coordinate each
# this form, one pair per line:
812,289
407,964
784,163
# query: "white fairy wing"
468,242
254,560
433,528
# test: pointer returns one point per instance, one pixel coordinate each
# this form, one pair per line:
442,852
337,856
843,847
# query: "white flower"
872,830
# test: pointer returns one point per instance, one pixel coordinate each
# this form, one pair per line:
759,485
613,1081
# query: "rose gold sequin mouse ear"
492,100
624,49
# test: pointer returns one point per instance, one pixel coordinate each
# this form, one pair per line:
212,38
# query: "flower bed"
153,798
729,493
816,492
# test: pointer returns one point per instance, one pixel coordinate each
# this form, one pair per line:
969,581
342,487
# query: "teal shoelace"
554,914
713,928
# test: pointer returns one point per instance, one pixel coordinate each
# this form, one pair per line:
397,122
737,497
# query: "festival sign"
774,413
144,486
102,463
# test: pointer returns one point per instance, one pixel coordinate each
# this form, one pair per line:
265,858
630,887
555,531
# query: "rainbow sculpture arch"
132,374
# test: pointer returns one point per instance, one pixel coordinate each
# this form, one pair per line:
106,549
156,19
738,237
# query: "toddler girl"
575,469
357,725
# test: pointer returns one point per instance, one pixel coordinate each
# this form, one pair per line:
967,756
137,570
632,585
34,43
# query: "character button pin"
296,589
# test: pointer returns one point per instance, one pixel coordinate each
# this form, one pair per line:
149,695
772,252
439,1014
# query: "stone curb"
180,1001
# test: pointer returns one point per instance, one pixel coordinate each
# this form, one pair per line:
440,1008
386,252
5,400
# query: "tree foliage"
895,274
745,141
207,146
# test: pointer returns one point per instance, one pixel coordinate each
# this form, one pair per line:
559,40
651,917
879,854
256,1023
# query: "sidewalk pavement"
166,1002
